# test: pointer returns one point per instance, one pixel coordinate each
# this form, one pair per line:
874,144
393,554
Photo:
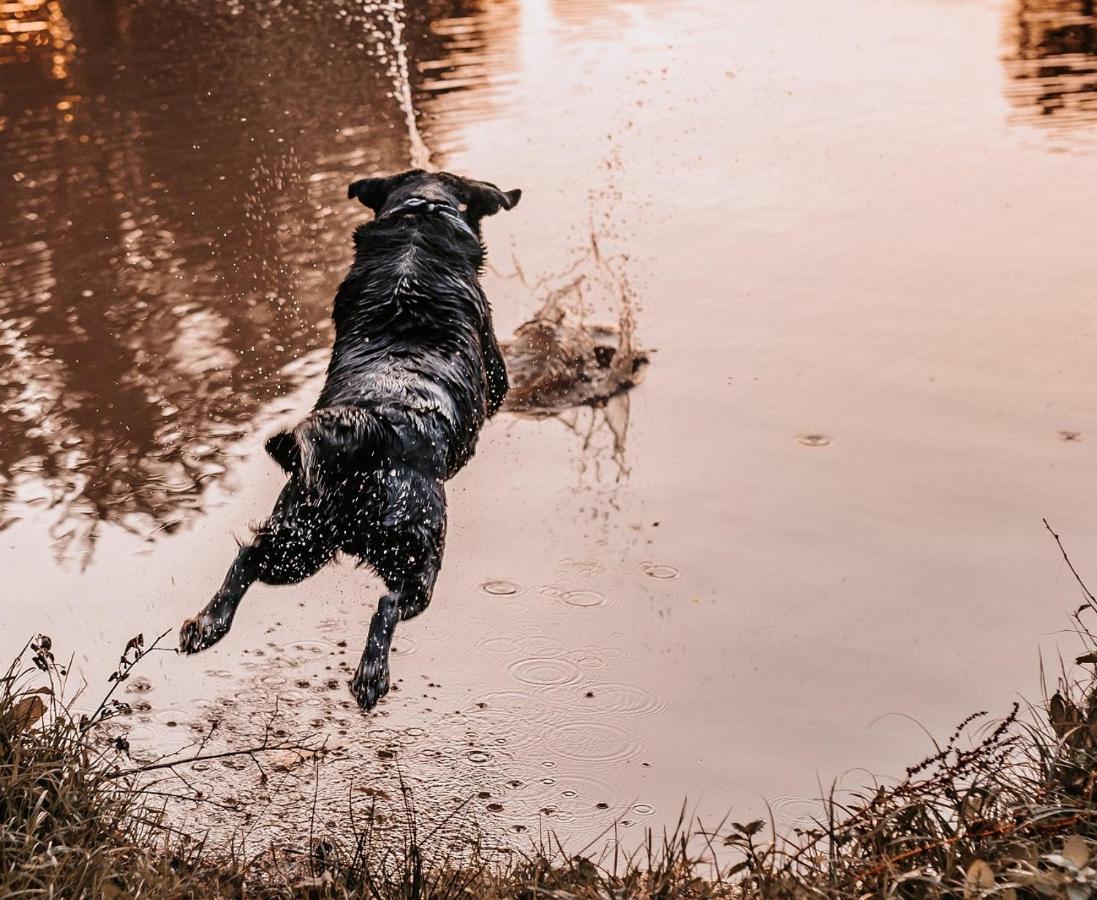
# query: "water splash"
397,70
564,366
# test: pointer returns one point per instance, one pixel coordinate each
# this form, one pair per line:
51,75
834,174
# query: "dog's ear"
373,192
283,450
485,199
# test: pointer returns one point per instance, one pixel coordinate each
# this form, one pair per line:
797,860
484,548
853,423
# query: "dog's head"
473,199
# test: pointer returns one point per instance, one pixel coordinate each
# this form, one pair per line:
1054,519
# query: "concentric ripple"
616,697
541,646
501,587
499,643
544,671
795,811
585,598
593,742
659,571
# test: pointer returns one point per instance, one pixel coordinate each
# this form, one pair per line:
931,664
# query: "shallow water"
857,236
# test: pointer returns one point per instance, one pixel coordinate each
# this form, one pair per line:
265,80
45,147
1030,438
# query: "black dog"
415,371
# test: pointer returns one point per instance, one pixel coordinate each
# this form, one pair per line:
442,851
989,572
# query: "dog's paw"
370,684
200,632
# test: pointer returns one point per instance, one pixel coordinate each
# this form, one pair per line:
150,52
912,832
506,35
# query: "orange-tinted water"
858,237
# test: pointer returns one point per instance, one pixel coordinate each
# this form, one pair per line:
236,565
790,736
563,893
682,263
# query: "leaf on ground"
979,878
1062,713
27,711
1076,850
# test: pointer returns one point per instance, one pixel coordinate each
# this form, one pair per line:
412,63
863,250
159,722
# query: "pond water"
857,238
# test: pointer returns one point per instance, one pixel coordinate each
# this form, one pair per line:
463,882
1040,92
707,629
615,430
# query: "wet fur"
415,371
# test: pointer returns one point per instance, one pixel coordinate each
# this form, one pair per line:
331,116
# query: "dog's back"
415,368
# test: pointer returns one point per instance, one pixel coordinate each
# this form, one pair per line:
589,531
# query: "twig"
189,798
1073,571
202,757
120,675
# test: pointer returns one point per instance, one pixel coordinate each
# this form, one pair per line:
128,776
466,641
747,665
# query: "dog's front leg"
215,619
371,681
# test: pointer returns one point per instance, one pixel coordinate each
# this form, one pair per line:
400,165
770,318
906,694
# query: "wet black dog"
415,371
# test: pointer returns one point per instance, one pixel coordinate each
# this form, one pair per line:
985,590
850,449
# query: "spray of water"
393,13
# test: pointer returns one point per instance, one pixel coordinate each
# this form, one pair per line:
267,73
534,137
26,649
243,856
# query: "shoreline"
1002,808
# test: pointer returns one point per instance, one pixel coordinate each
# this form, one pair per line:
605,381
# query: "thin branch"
189,798
1089,594
125,666
202,757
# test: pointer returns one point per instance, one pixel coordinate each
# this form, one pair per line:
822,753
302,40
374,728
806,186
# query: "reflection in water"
462,80
1053,62
33,31
172,232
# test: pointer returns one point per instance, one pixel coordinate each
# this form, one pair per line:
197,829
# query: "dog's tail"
331,441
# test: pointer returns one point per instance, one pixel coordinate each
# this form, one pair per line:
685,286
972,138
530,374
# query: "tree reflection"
1052,62
174,225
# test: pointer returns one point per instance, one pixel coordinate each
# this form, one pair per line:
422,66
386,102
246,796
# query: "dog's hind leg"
296,541
407,553
403,601
371,680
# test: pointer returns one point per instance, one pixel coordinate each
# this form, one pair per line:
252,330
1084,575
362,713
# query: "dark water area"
1052,60
174,228
853,242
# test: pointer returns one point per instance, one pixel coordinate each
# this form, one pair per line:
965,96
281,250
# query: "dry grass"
67,827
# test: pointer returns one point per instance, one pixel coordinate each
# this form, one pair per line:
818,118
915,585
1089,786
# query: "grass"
66,828
1002,808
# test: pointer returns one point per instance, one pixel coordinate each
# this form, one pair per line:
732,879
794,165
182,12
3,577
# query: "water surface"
859,240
